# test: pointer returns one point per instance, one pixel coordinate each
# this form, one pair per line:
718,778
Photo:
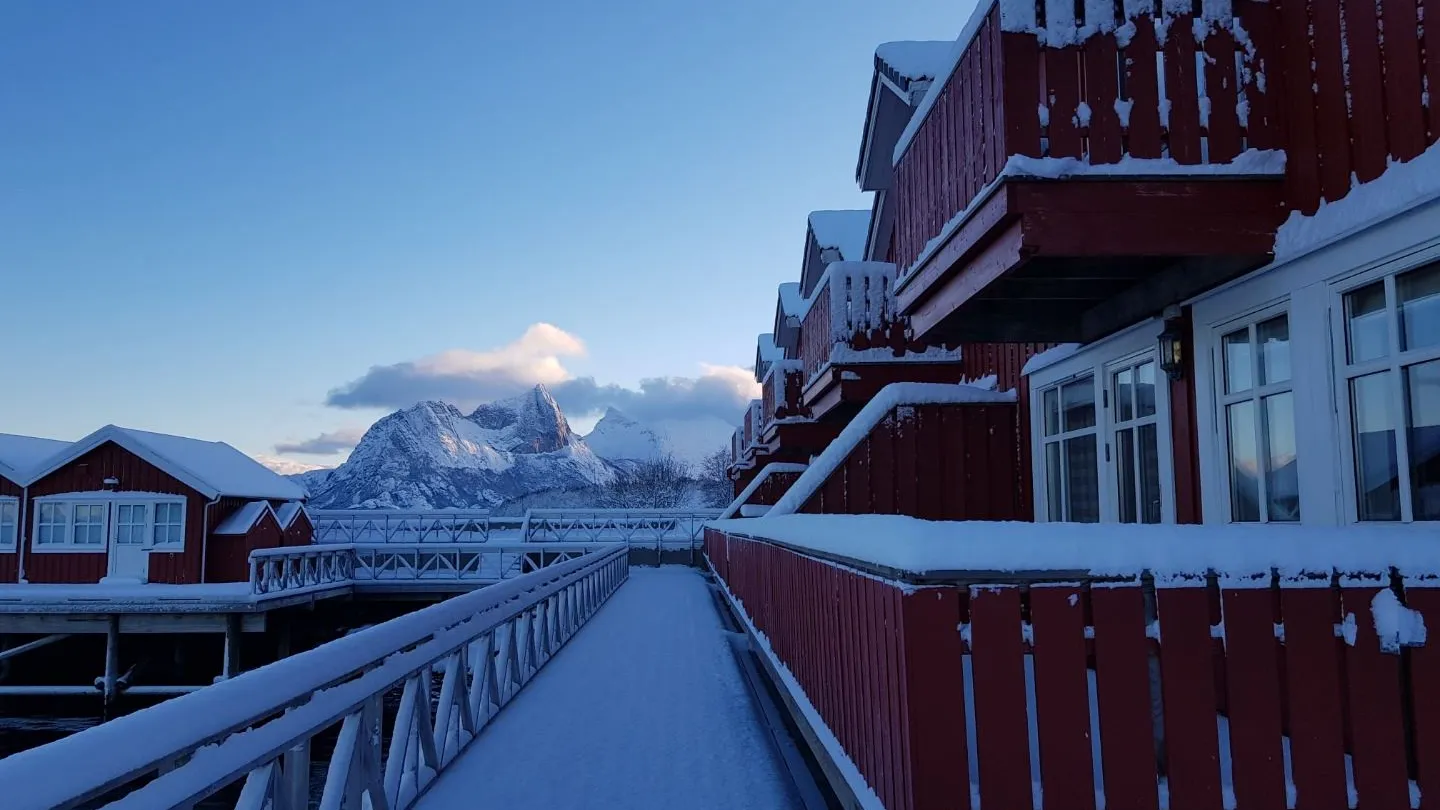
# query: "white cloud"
326,444
285,466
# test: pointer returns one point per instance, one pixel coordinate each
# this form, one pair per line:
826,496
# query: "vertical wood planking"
1062,695
1191,737
1181,89
902,426
1122,674
869,758
882,471
1303,115
998,115
857,480
1062,82
1021,89
890,598
1253,681
929,482
1404,114
1331,114
1425,698
934,708
1377,723
1367,90
1142,89
875,602
1101,91
1220,80
1264,129
1431,44
1312,667
1001,725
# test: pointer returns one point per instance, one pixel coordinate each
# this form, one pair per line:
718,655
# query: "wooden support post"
295,779
231,665
112,658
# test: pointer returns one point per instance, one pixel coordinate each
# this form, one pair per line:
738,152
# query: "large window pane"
1078,401
1422,384
1054,481
1239,371
1368,325
1282,481
1244,465
1377,470
1082,478
1124,395
1145,390
1125,475
1149,474
1052,411
1274,339
1419,293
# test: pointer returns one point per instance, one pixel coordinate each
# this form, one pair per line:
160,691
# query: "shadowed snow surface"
644,709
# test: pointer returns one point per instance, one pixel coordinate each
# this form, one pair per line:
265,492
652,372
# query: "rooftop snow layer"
790,299
242,520
916,60
287,512
844,230
1104,549
24,453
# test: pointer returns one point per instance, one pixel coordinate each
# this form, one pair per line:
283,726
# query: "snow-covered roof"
242,520
915,60
790,298
210,468
20,454
287,512
845,231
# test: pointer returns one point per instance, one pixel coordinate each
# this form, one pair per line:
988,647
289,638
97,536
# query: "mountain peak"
617,437
527,423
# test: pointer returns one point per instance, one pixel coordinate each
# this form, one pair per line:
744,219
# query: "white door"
129,546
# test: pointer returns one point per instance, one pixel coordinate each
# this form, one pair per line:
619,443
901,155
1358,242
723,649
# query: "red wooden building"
18,456
128,505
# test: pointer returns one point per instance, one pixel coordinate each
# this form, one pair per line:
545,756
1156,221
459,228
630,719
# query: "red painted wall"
88,474
301,532
229,556
10,560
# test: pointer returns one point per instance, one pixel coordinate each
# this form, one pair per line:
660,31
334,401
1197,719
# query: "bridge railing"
295,569
249,739
407,526
642,527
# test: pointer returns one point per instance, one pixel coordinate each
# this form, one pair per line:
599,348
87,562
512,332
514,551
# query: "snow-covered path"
644,709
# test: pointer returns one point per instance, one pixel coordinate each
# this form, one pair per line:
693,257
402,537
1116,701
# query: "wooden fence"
1009,690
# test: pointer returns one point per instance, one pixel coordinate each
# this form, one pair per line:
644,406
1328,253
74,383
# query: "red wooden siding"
10,560
772,488
937,462
880,661
1185,431
301,531
229,557
88,474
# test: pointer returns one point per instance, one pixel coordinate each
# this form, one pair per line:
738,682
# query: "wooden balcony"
1053,193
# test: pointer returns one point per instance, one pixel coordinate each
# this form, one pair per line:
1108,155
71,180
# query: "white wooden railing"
638,527
296,569
406,526
248,740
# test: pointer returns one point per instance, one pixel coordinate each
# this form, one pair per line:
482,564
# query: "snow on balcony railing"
401,526
774,469
854,302
638,527
1178,93
781,392
1142,661
258,730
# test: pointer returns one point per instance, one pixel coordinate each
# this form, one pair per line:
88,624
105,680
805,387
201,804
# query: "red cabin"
132,506
18,455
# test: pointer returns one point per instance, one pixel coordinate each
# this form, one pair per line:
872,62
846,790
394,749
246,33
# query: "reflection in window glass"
1124,395
1422,383
1125,475
1078,401
1244,465
1367,324
1149,474
1145,390
1419,293
1377,470
1052,412
1082,480
1238,371
1282,480
1054,481
1274,339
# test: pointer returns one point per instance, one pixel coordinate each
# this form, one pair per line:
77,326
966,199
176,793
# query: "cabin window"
1389,376
88,528
50,524
1072,472
1257,419
9,522
1134,441
130,522
169,524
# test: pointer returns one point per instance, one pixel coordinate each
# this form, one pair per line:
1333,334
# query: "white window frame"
9,539
1257,394
1063,437
1394,362
166,547
69,506
1133,346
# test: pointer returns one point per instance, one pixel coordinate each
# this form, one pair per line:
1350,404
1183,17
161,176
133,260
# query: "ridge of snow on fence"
258,727
877,409
659,526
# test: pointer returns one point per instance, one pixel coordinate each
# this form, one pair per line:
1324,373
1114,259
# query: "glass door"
1134,443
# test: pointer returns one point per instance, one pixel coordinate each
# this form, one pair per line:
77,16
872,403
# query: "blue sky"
214,214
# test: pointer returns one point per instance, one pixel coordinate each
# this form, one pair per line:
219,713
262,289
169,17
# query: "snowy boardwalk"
644,709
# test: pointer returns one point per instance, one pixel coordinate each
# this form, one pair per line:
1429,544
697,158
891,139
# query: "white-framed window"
1256,419
131,522
52,519
1388,387
87,527
9,523
1135,440
169,526
1070,446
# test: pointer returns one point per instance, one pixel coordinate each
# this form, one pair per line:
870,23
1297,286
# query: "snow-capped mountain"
617,437
431,456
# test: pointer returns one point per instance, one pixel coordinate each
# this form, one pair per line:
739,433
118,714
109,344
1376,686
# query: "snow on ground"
645,708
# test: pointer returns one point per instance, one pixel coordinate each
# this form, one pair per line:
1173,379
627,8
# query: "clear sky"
212,215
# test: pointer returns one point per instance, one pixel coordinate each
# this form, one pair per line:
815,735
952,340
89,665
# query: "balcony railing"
781,393
853,305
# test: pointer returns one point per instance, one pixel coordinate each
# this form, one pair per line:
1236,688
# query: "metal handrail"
259,726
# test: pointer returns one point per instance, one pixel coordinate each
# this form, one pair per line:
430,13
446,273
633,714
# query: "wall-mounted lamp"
111,483
1172,351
